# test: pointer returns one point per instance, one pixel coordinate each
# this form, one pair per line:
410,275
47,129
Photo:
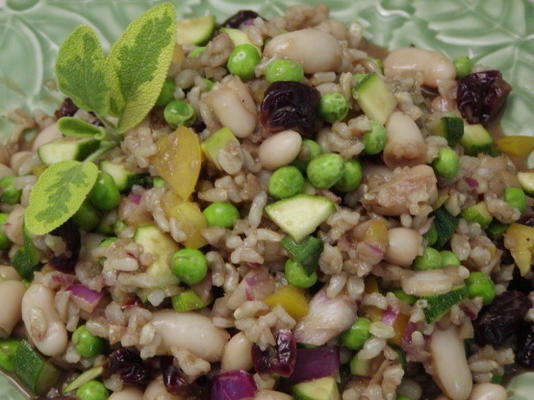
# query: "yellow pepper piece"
178,161
372,312
377,233
399,326
291,299
189,216
516,146
519,239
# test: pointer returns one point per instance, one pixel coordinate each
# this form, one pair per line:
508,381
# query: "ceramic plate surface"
496,33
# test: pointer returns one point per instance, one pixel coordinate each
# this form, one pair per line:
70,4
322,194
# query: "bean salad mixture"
265,209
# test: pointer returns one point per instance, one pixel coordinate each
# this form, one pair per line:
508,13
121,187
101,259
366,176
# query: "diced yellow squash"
516,146
399,326
178,161
519,239
189,216
291,299
377,233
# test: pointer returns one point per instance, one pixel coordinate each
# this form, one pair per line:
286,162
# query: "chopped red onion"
316,363
376,250
84,297
390,315
135,198
473,183
233,385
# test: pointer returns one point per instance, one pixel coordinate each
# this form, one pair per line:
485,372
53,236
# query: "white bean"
191,331
408,61
404,246
157,391
234,107
129,393
237,354
8,273
405,145
5,171
13,225
427,283
488,391
280,149
271,395
48,134
452,372
45,328
316,50
11,293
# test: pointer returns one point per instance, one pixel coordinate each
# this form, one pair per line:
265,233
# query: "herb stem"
104,148
109,125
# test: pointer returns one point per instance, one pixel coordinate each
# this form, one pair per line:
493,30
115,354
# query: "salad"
265,209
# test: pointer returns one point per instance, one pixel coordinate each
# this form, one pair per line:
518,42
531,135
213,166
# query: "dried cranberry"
527,220
177,384
279,359
198,126
500,320
290,105
523,284
239,18
128,364
481,95
66,109
70,234
524,354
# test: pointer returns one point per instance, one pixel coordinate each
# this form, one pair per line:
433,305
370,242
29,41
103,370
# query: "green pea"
119,226
401,397
92,390
107,241
221,214
480,284
431,236
242,61
405,297
449,258
516,198
357,334
431,259
284,70
195,53
308,151
5,243
107,222
87,217
326,170
297,276
375,139
189,265
447,163
209,84
158,182
8,348
352,177
463,66
285,182
167,92
10,194
178,113
105,194
87,344
188,300
333,107
496,229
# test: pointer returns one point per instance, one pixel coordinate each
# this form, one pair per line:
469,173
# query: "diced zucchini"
496,229
451,128
195,30
526,180
317,389
440,304
306,252
85,377
478,213
360,367
220,140
123,178
161,246
237,36
65,149
26,258
300,215
375,98
36,373
445,224
476,139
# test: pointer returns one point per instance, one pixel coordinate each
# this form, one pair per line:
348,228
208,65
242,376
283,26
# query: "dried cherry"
70,234
279,359
481,95
524,353
240,18
290,105
128,364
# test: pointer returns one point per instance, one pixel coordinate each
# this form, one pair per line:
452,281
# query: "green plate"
497,33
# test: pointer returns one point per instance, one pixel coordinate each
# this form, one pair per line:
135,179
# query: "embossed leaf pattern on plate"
496,33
